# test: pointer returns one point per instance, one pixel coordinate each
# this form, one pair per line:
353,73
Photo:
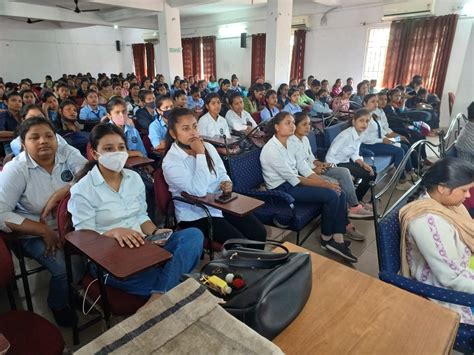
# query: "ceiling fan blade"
35,21
65,8
91,10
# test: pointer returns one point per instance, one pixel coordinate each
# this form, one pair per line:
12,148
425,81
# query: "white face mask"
114,161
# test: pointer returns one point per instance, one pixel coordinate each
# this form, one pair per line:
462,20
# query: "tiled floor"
365,251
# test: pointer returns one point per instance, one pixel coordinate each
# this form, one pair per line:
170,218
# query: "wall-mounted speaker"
243,40
117,46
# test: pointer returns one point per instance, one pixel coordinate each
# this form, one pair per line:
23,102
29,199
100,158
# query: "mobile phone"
223,198
160,238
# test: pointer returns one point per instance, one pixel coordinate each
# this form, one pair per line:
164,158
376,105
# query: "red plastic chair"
26,332
163,200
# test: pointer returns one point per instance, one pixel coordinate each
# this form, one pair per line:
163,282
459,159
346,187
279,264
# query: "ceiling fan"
77,10
29,21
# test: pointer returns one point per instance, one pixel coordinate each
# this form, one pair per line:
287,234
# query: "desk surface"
138,161
350,312
120,262
218,140
241,206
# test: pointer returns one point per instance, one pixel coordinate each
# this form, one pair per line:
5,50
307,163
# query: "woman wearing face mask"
321,104
147,113
194,167
117,115
159,127
31,187
111,201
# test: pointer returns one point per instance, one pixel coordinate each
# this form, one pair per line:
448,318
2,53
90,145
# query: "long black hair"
26,125
358,114
173,118
267,96
207,100
98,132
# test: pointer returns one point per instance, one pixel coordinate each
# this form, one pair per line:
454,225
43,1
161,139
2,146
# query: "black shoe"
347,243
338,248
65,317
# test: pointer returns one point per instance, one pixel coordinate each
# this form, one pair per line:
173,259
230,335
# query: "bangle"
154,231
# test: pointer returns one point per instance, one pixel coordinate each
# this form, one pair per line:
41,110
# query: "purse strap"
249,257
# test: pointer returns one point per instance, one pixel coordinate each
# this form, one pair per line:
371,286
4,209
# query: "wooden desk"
135,162
349,312
110,256
241,206
218,140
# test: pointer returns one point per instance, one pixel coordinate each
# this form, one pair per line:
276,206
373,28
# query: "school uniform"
3,106
7,123
25,188
213,86
210,127
191,174
87,113
319,108
145,118
239,123
95,205
134,141
157,131
192,104
292,108
344,152
282,103
281,168
267,114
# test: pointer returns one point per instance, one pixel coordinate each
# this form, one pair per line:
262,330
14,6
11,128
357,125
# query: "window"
376,52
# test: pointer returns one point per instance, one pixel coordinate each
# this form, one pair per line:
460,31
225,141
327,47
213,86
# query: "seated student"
270,110
160,89
283,98
224,89
333,174
337,88
184,86
304,101
31,186
124,91
373,86
3,97
92,111
67,122
192,166
237,118
180,99
105,91
10,119
62,91
202,86
253,102
321,106
82,89
117,115
147,114
211,123
195,103
159,127
325,85
465,142
293,106
341,101
134,98
117,89
110,200
51,106
146,83
344,152
375,139
212,84
399,100
284,169
358,97
437,232
235,87
315,86
28,97
350,81
420,102
176,86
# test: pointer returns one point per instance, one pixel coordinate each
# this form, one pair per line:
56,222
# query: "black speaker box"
243,40
117,46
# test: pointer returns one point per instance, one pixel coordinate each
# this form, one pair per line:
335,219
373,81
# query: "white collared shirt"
371,134
25,187
383,121
207,126
305,148
345,147
184,172
282,164
239,123
95,205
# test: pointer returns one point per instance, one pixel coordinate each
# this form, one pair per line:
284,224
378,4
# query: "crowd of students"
118,117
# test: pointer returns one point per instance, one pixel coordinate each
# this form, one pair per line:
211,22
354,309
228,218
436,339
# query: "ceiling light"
116,27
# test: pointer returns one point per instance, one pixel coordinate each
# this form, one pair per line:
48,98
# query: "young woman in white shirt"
111,201
344,152
31,187
211,123
271,109
285,169
237,118
437,232
193,166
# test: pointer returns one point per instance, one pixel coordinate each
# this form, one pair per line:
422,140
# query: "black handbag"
277,285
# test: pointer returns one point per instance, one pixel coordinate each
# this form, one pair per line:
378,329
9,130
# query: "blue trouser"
388,149
186,247
334,215
344,178
58,287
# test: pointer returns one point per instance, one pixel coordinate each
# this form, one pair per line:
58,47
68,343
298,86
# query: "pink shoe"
359,211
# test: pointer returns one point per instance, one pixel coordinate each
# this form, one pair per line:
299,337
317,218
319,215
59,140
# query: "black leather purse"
277,285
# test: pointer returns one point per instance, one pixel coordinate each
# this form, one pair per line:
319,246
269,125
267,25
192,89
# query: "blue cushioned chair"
388,248
382,163
280,208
